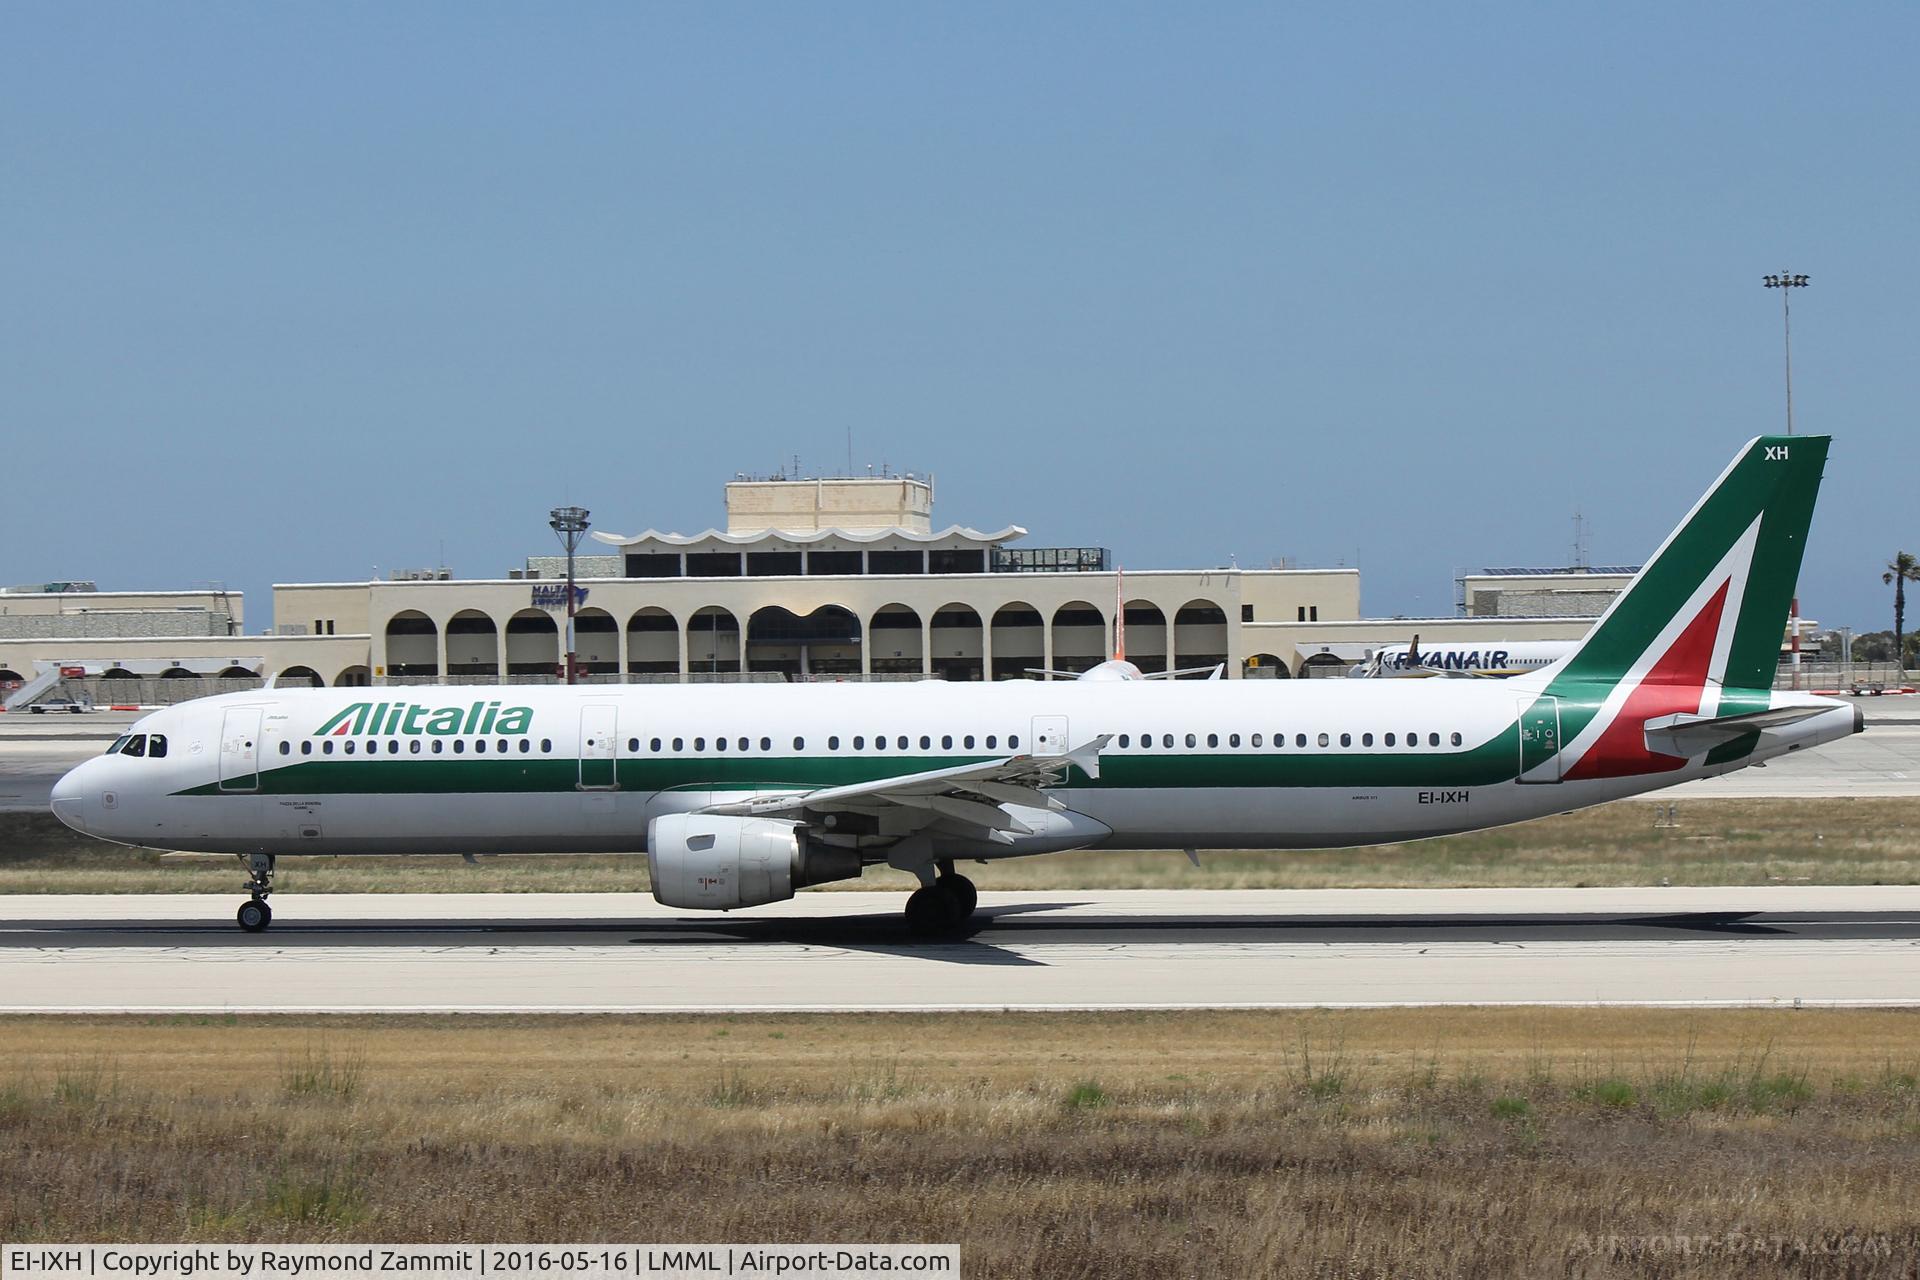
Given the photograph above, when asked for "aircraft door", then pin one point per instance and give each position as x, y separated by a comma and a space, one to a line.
598, 738
1049, 736
1540, 740
240, 750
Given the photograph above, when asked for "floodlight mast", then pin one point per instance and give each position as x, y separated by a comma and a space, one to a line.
570, 525
1786, 282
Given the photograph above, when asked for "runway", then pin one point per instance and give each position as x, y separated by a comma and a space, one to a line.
381, 953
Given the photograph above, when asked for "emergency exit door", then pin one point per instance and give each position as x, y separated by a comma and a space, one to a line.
598, 729
1049, 735
1540, 740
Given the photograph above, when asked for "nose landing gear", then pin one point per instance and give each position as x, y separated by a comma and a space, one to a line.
254, 914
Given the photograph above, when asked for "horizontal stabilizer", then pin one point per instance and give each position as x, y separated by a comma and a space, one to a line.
1685, 735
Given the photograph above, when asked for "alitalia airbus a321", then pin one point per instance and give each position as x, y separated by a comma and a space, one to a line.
739, 795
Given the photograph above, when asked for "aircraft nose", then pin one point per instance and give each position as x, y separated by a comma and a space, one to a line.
72, 797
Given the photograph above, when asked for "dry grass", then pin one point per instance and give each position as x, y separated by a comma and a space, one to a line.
1362, 1143
1874, 841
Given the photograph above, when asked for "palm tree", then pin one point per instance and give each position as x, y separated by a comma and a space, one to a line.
1901, 570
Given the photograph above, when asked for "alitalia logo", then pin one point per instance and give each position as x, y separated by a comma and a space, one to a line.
416, 718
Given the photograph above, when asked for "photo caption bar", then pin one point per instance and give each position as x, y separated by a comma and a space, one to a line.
475, 1261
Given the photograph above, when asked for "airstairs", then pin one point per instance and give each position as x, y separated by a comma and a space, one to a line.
46, 676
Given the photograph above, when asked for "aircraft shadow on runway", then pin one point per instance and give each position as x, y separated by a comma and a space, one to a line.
987, 942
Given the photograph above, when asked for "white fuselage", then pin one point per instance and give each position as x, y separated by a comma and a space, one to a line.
1210, 764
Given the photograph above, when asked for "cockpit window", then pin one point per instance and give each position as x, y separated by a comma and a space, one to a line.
156, 745
119, 742
136, 745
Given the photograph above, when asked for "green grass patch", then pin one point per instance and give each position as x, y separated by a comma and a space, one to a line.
1085, 1095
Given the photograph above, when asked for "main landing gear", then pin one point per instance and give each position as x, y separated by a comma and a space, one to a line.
944, 906
254, 914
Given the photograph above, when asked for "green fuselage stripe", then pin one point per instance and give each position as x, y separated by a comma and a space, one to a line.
1488, 763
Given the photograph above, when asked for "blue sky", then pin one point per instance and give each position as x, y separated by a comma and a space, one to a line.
288, 292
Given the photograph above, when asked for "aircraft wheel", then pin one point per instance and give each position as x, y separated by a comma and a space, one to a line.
254, 915
932, 911
965, 896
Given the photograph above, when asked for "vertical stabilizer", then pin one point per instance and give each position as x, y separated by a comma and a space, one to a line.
1698, 630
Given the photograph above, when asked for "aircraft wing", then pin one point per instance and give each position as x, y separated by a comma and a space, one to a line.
969, 793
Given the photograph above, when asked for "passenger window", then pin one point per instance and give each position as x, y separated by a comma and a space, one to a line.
326, 748
546, 745
859, 742
699, 744
901, 742
1433, 739
991, 739
1233, 739
1255, 740
526, 745
501, 746
480, 746
413, 746
348, 746
438, 746
1213, 739
1324, 740
1366, 739
968, 742
653, 744
633, 745
799, 744
459, 746
1191, 741
946, 742
1013, 742
393, 746
1123, 742
286, 748
742, 744
833, 742
719, 744
1346, 739
306, 746
1456, 739
766, 744
1389, 739
679, 744
925, 742
1166, 740
1300, 740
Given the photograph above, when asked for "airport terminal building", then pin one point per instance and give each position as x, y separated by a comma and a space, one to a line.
809, 579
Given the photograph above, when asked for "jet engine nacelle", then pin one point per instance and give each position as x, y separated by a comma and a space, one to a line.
718, 863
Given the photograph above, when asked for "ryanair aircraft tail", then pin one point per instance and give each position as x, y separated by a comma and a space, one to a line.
1697, 633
